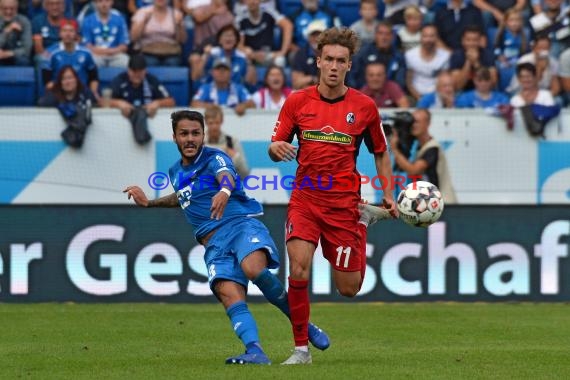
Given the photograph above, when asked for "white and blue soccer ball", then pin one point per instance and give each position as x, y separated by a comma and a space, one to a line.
420, 204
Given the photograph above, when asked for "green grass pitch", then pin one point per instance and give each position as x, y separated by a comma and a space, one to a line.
369, 341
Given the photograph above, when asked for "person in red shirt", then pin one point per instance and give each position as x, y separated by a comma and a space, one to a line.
330, 121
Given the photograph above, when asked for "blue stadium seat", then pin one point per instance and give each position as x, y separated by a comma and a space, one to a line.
106, 76
346, 10
17, 86
175, 79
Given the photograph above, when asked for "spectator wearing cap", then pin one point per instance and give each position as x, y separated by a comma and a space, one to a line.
385, 93
15, 35
69, 53
105, 33
483, 95
139, 95
384, 50
304, 70
223, 91
45, 27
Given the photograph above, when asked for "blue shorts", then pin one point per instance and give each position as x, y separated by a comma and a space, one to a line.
231, 243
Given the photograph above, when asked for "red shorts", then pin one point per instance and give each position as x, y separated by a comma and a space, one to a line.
337, 228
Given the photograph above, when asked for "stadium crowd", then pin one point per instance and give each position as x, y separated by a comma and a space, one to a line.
253, 53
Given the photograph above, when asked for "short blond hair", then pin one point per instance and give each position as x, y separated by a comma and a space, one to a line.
412, 10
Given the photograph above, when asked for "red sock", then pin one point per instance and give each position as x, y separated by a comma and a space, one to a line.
298, 297
363, 231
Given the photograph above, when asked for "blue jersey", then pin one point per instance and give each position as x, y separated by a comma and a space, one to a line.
229, 97
112, 34
196, 185
80, 59
49, 32
238, 61
471, 99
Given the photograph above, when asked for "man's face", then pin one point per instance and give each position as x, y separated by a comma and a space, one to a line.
444, 85
552, 4
189, 138
8, 9
483, 86
428, 38
275, 79
253, 5
375, 76
136, 77
104, 6
221, 75
68, 34
334, 62
471, 40
368, 11
214, 126
383, 37
54, 8
527, 80
421, 123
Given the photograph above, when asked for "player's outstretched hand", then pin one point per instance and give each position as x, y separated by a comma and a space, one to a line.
219, 202
137, 194
390, 205
282, 151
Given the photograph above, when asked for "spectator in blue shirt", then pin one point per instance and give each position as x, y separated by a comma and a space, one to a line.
227, 39
310, 12
45, 27
68, 52
38, 7
223, 91
444, 95
483, 95
105, 33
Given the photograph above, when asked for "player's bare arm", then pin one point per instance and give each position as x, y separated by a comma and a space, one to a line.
282, 151
141, 199
384, 170
220, 200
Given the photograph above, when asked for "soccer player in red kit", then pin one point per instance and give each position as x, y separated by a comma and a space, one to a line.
330, 122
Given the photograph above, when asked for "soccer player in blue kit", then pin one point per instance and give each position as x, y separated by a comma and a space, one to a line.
238, 246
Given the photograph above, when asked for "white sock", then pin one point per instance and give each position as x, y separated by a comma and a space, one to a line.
302, 348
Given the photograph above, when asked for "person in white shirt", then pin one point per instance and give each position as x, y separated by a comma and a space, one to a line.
424, 63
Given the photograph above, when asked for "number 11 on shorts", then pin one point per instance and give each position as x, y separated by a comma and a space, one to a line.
339, 251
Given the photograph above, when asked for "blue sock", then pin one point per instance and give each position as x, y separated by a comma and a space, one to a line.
243, 323
254, 348
273, 290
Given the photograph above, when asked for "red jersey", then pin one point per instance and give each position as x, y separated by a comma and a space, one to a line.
329, 133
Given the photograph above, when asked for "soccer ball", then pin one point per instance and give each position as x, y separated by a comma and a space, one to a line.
420, 204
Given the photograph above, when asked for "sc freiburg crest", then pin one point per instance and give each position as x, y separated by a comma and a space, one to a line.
350, 118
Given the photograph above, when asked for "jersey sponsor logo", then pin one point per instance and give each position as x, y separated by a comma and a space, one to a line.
350, 118
328, 134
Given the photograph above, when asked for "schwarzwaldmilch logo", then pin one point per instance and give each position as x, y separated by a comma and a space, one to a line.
328, 134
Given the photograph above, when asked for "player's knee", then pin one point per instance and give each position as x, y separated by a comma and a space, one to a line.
348, 290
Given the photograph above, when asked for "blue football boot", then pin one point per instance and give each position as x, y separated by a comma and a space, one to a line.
318, 337
249, 359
